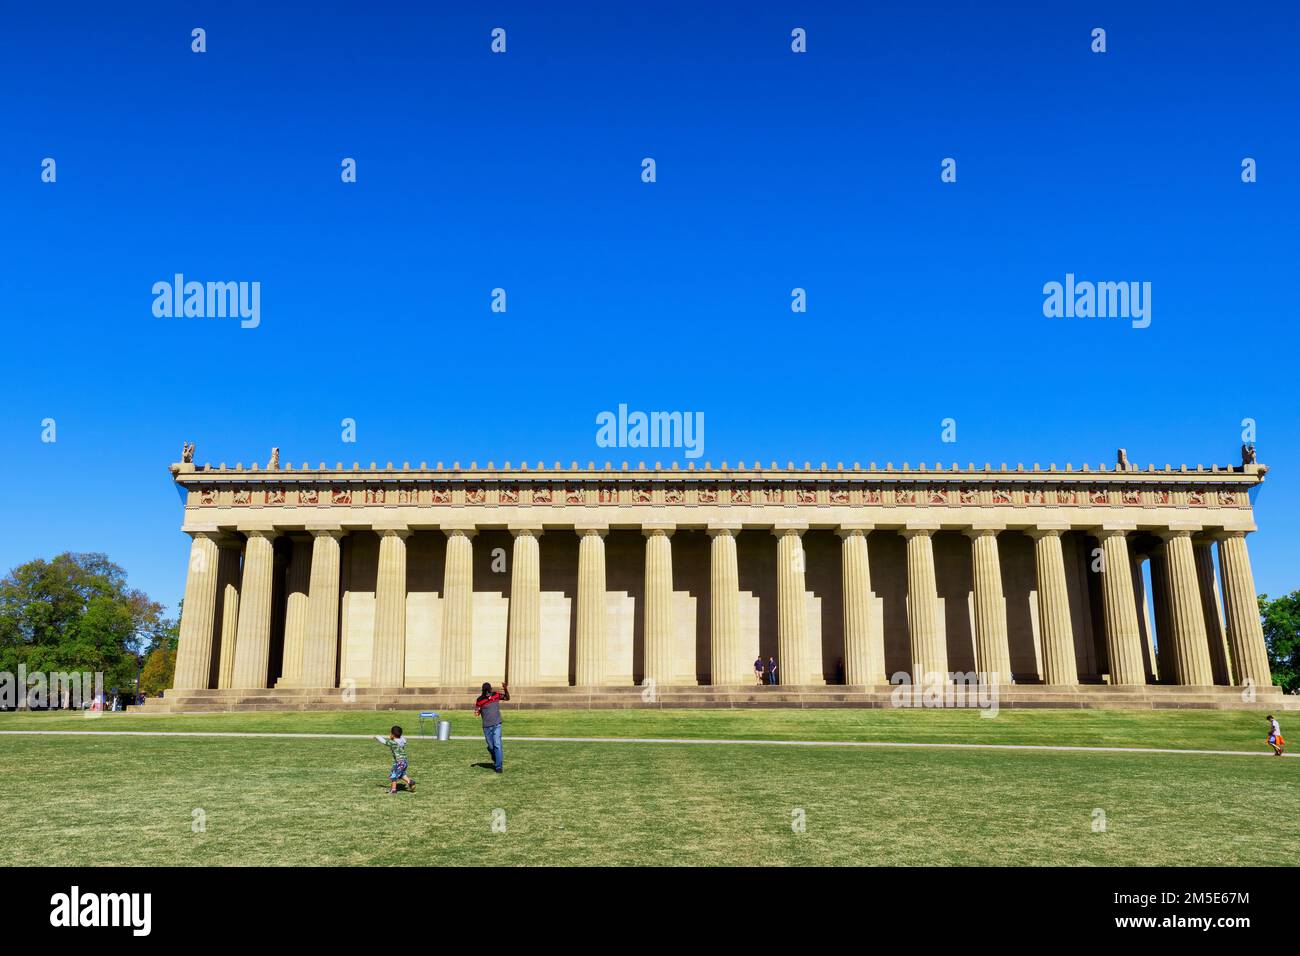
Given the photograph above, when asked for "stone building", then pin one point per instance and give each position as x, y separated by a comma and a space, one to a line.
412, 585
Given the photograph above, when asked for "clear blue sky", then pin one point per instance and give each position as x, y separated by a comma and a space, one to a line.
522, 170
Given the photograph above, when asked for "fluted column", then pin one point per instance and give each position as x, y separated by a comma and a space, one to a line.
1212, 611
279, 578
864, 643
458, 609
388, 659
1054, 623
929, 651
1119, 608
726, 664
591, 649
228, 580
1166, 646
321, 641
198, 617
1186, 618
1245, 632
791, 608
658, 605
253, 638
295, 612
992, 644
524, 633
1142, 609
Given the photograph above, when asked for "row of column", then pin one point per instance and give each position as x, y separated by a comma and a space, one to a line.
1195, 645
233, 611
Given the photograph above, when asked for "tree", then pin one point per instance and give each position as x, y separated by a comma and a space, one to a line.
159, 669
1281, 620
76, 613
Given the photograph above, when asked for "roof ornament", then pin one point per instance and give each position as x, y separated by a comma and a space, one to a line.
1121, 460
187, 453
274, 464
1247, 454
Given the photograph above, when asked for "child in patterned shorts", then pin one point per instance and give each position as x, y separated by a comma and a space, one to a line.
1275, 736
401, 766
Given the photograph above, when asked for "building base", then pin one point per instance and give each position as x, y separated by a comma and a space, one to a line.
1084, 696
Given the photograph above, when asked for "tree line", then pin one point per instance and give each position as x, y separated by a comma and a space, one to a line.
75, 613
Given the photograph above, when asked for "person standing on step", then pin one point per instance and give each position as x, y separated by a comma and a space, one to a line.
758, 670
488, 706
771, 670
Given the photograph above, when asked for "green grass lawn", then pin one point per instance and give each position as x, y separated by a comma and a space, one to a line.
133, 800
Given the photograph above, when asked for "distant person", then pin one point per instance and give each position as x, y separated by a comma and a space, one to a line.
1275, 736
396, 743
771, 670
839, 670
488, 706
758, 669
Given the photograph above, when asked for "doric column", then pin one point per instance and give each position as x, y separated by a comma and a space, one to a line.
321, 641
198, 617
1212, 611
458, 609
726, 665
992, 645
1054, 609
791, 608
279, 578
1166, 646
1119, 608
1245, 632
228, 577
253, 639
1142, 609
864, 644
295, 611
388, 658
929, 651
658, 604
591, 649
525, 623
1187, 622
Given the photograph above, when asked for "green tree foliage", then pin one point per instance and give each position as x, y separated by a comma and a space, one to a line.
159, 669
76, 613
1281, 618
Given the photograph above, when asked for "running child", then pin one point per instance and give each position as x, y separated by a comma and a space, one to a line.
1275, 736
396, 743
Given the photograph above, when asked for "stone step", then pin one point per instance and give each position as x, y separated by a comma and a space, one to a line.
688, 696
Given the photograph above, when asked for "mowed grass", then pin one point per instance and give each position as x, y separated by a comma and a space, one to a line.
1189, 729
273, 801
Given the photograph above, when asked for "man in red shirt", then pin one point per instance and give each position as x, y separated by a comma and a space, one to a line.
488, 706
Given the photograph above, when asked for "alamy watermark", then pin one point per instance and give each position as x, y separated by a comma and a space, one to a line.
208, 300
37, 690
1098, 300
75, 908
957, 689
651, 430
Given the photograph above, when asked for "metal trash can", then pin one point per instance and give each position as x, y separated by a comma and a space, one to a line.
444, 730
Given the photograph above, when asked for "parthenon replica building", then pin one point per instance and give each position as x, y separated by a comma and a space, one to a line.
635, 586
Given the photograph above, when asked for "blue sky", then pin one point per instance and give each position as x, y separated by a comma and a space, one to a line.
522, 171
